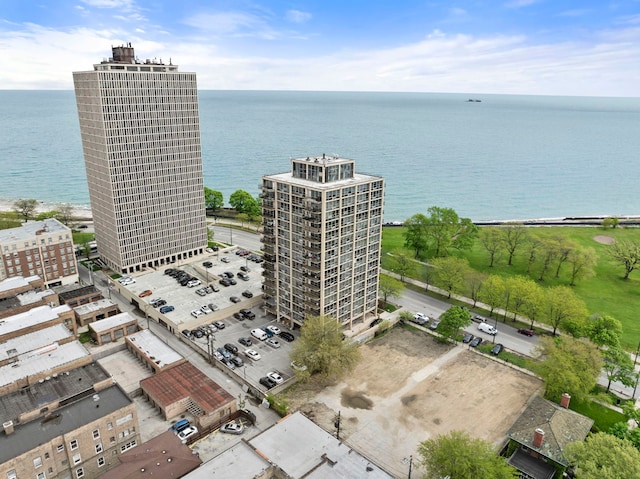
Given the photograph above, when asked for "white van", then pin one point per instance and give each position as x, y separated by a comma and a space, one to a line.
259, 334
487, 328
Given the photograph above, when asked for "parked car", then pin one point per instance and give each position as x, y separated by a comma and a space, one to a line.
526, 332
196, 313
274, 329
224, 259
297, 366
252, 354
225, 282
245, 341
247, 294
288, 337
274, 343
433, 325
475, 342
187, 433
198, 333
218, 355
219, 324
225, 354
214, 288
497, 349
467, 338
232, 428
207, 264
186, 333
201, 292
228, 274
268, 332
234, 299
206, 309
181, 425
275, 376
420, 319
193, 283
228, 363
375, 322
243, 276
232, 348
146, 292
247, 313
246, 269
166, 309
239, 316
259, 334
214, 307
238, 362
232, 281
487, 328
267, 382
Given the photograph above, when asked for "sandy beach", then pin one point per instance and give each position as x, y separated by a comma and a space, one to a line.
79, 212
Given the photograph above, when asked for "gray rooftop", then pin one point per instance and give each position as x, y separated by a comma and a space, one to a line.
41, 360
30, 297
28, 342
59, 387
93, 307
238, 461
318, 455
62, 421
29, 230
76, 291
154, 348
16, 282
111, 322
315, 185
33, 317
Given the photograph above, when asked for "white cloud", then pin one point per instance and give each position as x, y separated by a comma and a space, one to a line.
225, 23
296, 16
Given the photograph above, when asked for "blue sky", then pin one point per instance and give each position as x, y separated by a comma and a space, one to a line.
540, 47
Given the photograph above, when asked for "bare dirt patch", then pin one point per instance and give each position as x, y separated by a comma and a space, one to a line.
408, 388
604, 239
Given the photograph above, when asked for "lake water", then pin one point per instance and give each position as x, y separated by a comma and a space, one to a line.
506, 157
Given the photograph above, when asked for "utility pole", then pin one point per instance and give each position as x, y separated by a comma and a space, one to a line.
410, 465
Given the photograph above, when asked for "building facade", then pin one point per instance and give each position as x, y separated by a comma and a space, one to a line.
140, 133
42, 248
322, 235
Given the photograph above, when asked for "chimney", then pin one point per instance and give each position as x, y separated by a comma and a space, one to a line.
538, 438
565, 400
8, 427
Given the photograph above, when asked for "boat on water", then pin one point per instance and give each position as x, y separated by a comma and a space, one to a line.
473, 100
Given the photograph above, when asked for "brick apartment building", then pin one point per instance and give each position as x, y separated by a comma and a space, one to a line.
43, 248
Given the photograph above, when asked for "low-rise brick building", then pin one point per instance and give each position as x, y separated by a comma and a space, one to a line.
95, 311
113, 328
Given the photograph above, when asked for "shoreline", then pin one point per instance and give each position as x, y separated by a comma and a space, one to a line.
84, 213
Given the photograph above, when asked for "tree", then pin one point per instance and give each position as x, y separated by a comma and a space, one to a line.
565, 310
402, 264
45, 215
603, 330
582, 261
64, 213
390, 287
85, 248
322, 350
569, 365
522, 289
618, 366
610, 223
452, 321
549, 249
213, 200
415, 234
243, 202
626, 253
242, 217
475, 280
493, 240
515, 235
451, 273
445, 229
25, 208
460, 456
565, 248
492, 292
604, 456
533, 247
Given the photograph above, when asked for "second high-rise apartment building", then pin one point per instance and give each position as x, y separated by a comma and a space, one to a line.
322, 237
141, 140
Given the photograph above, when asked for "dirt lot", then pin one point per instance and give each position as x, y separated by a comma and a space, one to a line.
409, 388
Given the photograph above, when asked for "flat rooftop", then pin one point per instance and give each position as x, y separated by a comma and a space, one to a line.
238, 461
16, 282
94, 307
62, 421
155, 350
42, 360
33, 317
316, 185
111, 322
318, 455
21, 345
32, 228
59, 387
75, 291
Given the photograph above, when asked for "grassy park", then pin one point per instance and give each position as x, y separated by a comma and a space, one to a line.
604, 292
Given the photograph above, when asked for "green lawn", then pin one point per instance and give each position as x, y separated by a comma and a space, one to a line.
606, 292
603, 416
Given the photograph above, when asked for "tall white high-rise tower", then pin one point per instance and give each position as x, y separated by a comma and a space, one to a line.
141, 140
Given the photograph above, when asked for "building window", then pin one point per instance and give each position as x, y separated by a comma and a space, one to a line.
109, 426
73, 444
96, 434
41, 475
37, 462
77, 459
12, 474
100, 461
98, 448
128, 446
46, 455
79, 472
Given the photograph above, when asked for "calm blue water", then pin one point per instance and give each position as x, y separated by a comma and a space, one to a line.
508, 157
